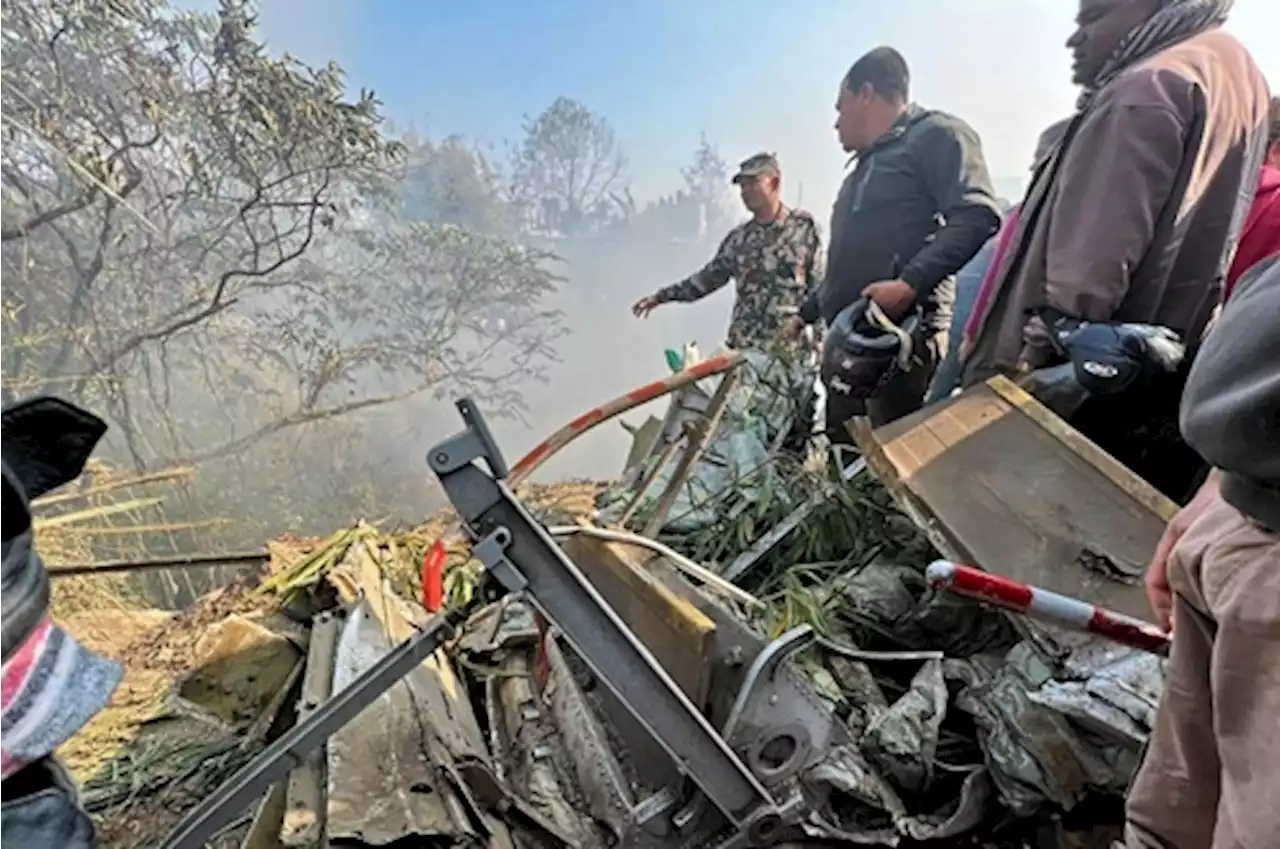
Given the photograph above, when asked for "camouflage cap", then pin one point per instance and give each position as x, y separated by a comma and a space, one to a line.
754, 166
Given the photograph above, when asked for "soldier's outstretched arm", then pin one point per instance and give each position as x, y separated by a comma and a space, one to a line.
711, 277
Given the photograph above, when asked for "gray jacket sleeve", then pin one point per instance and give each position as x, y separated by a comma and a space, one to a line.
956, 176
1118, 174
1231, 405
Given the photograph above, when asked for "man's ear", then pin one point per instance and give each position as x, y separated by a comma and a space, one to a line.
46, 442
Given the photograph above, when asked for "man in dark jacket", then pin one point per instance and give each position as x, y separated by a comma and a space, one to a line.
1209, 778
916, 208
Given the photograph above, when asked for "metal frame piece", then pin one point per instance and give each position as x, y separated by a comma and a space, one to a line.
520, 556
290, 750
508, 535
698, 442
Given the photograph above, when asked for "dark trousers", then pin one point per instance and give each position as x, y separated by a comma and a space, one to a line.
1139, 427
42, 810
901, 397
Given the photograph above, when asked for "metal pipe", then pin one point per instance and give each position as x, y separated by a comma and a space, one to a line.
697, 445
543, 451
663, 458
1065, 611
684, 564
181, 561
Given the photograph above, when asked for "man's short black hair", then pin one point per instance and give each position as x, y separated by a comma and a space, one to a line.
886, 72
1273, 133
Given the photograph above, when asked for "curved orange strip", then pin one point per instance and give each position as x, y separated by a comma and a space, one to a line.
642, 395
543, 451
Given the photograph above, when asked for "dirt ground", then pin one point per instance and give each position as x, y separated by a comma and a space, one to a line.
110, 755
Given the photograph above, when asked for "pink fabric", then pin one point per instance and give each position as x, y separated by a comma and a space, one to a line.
52, 687
18, 669
1260, 237
987, 286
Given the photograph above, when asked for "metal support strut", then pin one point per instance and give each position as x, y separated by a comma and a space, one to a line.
289, 751
519, 554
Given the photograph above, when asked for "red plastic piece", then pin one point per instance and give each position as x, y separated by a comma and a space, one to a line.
433, 577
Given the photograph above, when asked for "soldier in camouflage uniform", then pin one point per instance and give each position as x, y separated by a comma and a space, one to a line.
776, 259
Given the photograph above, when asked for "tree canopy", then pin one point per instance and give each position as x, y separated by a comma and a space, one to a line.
568, 175
215, 246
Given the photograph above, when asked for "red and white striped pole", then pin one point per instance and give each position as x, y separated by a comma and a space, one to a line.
1042, 604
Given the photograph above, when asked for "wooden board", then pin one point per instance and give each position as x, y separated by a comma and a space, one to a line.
1004, 484
677, 632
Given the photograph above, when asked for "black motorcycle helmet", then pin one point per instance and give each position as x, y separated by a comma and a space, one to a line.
865, 350
1110, 358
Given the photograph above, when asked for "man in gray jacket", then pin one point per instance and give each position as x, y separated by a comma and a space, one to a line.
917, 206
1210, 776
1135, 217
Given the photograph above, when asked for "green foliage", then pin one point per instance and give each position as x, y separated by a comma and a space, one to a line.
707, 179
209, 245
448, 182
568, 175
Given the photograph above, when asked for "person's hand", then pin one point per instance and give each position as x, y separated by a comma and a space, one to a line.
1158, 592
642, 307
895, 297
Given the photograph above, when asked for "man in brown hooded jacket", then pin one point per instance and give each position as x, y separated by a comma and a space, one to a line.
1135, 217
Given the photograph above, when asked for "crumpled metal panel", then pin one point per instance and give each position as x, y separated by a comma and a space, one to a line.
865, 808
302, 823
875, 802
1034, 754
526, 746
902, 740
968, 812
389, 769
609, 797
860, 689
1111, 690
870, 807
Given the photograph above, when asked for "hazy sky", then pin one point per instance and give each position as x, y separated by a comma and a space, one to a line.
752, 74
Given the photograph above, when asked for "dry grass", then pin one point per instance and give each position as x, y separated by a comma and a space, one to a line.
140, 696
141, 764
105, 515
297, 565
